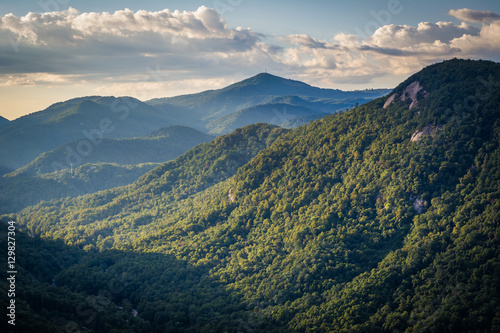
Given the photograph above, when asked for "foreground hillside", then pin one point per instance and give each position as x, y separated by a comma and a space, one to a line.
383, 218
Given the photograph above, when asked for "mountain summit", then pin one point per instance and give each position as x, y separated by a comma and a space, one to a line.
275, 85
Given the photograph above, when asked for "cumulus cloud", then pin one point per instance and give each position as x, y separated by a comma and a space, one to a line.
486, 44
390, 50
78, 43
404, 36
55, 28
470, 15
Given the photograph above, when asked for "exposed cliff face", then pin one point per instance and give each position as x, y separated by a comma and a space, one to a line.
427, 130
389, 101
418, 204
411, 92
231, 196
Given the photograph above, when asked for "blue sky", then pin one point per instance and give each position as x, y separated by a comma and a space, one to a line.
69, 48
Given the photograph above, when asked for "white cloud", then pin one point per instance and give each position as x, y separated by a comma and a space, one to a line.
77, 43
404, 36
470, 15
390, 50
486, 44
71, 26
174, 51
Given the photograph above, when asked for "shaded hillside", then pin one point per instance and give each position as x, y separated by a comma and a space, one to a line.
383, 218
325, 105
284, 111
299, 121
3, 121
182, 116
271, 113
161, 146
87, 119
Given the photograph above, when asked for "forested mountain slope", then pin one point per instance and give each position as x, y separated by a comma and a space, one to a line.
201, 167
382, 218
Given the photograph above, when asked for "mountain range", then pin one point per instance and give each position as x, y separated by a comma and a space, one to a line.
378, 218
125, 131
86, 121
259, 89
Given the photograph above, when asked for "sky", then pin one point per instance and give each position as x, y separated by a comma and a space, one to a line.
55, 50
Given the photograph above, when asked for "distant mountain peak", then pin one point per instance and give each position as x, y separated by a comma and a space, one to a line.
265, 74
267, 78
261, 88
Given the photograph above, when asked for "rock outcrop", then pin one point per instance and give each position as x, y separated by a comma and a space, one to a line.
427, 130
230, 195
411, 92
